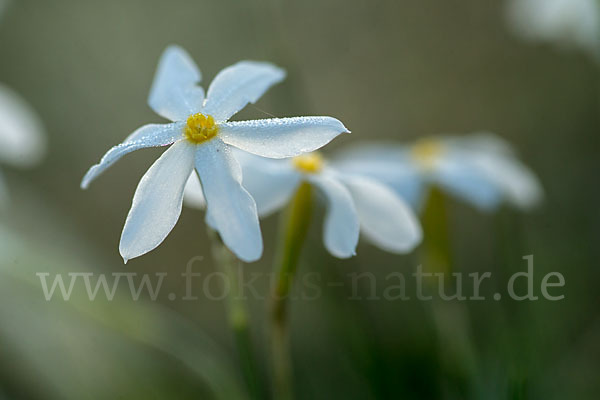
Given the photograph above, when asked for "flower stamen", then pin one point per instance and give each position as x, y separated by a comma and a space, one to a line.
426, 152
308, 163
200, 128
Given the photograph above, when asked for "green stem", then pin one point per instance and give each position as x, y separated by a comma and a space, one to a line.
436, 238
238, 315
450, 318
295, 225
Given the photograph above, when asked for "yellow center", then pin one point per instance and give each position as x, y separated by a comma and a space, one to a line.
309, 163
200, 128
427, 151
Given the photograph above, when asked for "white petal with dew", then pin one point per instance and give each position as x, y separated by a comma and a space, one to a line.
281, 137
153, 135
385, 219
174, 93
341, 228
157, 201
230, 208
239, 84
22, 138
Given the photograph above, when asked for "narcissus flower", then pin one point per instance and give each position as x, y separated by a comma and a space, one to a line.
201, 138
565, 22
22, 139
355, 203
481, 169
3, 4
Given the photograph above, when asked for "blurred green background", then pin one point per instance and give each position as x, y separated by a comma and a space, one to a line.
388, 69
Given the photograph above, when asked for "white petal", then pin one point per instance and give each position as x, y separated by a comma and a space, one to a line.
455, 173
231, 209
388, 164
193, 196
239, 84
519, 184
22, 140
153, 135
270, 182
369, 152
486, 142
342, 227
174, 93
281, 137
157, 201
409, 186
385, 218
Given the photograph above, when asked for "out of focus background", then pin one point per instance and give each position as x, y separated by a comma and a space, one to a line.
391, 70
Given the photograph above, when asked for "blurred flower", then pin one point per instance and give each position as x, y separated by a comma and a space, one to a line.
354, 202
566, 22
22, 140
83, 321
481, 169
202, 138
3, 4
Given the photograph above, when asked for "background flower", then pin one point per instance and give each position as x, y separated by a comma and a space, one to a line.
565, 22
353, 201
3, 4
22, 139
481, 169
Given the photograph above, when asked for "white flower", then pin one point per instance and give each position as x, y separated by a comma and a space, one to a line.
22, 140
480, 168
354, 202
3, 5
201, 137
566, 22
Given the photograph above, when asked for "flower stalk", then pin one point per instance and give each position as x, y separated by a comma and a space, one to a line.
295, 224
238, 317
450, 318
436, 240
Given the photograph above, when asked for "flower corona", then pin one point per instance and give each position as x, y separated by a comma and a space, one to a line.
200, 128
426, 152
310, 163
